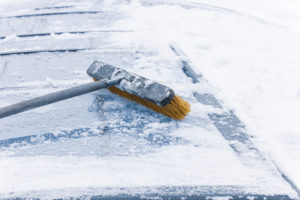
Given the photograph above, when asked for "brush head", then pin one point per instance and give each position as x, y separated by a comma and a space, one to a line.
153, 95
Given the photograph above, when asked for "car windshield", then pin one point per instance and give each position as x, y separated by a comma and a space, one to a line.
100, 145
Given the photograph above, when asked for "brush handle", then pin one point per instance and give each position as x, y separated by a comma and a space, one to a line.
55, 97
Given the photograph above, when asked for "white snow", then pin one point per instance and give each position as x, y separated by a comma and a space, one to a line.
248, 52
253, 65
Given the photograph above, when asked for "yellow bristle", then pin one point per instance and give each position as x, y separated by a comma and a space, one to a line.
177, 108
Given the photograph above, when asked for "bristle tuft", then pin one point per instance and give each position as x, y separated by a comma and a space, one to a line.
177, 108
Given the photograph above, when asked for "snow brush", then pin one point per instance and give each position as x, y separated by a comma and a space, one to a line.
153, 95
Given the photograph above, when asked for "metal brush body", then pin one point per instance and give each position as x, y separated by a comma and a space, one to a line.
133, 83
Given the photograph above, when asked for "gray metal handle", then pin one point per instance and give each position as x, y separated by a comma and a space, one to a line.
55, 97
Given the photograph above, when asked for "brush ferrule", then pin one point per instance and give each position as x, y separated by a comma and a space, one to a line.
114, 81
